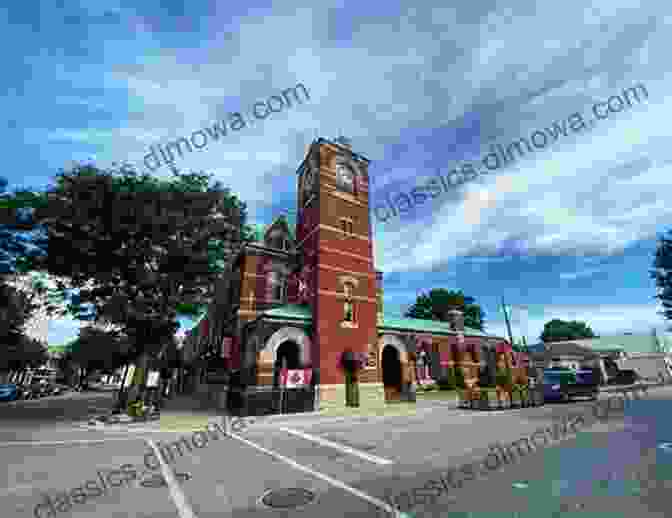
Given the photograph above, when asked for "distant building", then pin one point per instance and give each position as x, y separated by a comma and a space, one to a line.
648, 355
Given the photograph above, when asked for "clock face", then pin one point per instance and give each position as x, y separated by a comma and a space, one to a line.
345, 176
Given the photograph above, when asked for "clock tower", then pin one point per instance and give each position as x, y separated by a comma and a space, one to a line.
337, 277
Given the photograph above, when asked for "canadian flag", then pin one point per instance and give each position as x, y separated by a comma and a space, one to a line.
292, 378
227, 343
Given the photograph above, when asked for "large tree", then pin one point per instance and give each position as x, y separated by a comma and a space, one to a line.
97, 348
20, 239
662, 273
433, 306
561, 330
17, 350
136, 247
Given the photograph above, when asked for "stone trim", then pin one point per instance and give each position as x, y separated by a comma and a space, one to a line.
349, 198
351, 273
354, 256
344, 234
343, 297
289, 333
342, 279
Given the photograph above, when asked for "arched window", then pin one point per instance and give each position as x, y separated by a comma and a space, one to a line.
348, 307
276, 286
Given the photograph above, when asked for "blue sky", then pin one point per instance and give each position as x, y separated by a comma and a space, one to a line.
569, 230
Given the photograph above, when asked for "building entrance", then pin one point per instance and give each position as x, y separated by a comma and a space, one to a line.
391, 365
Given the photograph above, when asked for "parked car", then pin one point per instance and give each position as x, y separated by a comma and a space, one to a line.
60, 388
625, 377
566, 384
9, 392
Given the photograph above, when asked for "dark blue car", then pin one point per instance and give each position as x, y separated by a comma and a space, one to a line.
8, 392
566, 384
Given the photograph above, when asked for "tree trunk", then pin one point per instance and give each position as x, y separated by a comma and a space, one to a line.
121, 393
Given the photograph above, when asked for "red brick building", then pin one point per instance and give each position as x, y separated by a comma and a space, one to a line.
304, 294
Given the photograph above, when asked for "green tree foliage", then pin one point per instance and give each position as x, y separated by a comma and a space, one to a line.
433, 306
17, 350
662, 273
448, 382
459, 378
21, 241
136, 247
561, 330
504, 377
100, 349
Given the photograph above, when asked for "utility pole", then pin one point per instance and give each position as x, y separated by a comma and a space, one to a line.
506, 319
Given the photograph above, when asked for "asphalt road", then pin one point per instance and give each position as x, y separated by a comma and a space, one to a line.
351, 465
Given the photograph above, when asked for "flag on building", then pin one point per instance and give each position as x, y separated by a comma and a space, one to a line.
292, 378
227, 344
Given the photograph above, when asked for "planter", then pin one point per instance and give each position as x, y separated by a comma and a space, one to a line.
484, 400
351, 390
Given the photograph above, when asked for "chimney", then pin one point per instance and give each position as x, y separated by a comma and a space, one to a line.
455, 318
379, 293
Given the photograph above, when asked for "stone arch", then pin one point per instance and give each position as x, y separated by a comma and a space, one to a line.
292, 334
395, 342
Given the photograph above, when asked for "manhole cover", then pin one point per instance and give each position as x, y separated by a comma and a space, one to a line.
287, 498
157, 480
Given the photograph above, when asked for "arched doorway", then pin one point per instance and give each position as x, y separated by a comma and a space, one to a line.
391, 365
287, 351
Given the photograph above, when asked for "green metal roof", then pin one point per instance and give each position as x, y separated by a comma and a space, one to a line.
426, 326
258, 231
626, 343
290, 311
302, 312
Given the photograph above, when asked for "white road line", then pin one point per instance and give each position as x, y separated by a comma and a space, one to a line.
180, 501
337, 446
334, 482
60, 443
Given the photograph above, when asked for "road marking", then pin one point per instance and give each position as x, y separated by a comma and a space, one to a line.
334, 482
338, 446
180, 501
60, 443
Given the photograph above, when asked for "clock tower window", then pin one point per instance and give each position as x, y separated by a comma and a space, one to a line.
348, 306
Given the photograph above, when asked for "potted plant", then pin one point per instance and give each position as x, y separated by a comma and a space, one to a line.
485, 400
351, 363
448, 381
459, 378
504, 384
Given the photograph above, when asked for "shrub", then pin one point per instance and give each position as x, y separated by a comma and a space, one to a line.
448, 382
485, 379
459, 378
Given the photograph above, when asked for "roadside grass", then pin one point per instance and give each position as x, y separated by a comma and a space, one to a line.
437, 395
184, 422
371, 403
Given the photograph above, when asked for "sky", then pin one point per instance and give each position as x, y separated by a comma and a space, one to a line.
568, 230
